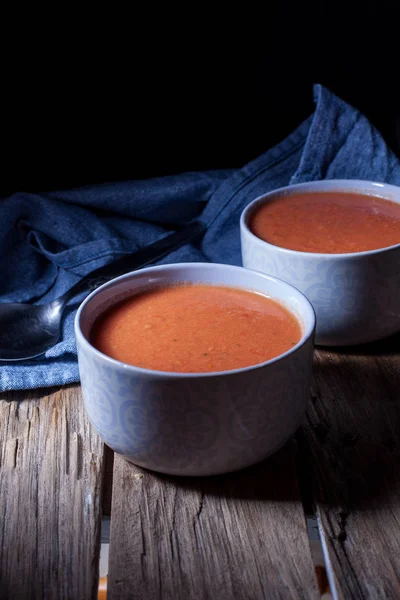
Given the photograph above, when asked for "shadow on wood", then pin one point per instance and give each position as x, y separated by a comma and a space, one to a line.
271, 479
353, 430
387, 347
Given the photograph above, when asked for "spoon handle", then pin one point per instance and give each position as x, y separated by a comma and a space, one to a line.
138, 259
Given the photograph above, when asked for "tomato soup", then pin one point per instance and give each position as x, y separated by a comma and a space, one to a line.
328, 222
196, 328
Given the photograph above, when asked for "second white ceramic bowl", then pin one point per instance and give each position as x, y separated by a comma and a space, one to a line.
356, 296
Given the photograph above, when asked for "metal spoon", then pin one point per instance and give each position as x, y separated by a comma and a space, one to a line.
28, 330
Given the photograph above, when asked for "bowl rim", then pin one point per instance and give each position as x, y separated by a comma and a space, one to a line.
84, 342
317, 183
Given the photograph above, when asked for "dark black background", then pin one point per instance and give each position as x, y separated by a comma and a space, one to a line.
90, 100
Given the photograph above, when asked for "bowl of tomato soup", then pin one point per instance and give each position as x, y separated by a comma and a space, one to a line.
195, 369
338, 241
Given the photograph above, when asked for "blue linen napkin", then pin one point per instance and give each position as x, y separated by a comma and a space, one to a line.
48, 242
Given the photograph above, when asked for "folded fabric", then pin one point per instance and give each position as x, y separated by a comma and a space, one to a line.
49, 241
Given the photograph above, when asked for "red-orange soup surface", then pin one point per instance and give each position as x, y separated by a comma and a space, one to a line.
196, 328
328, 222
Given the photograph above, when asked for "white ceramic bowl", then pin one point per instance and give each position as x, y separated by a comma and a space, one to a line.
195, 424
356, 296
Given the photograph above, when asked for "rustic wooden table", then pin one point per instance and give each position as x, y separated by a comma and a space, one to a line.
238, 536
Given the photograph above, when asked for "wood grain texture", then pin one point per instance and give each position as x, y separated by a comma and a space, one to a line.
51, 465
352, 436
238, 536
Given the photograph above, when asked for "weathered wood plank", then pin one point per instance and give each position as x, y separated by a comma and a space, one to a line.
51, 463
353, 438
238, 536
